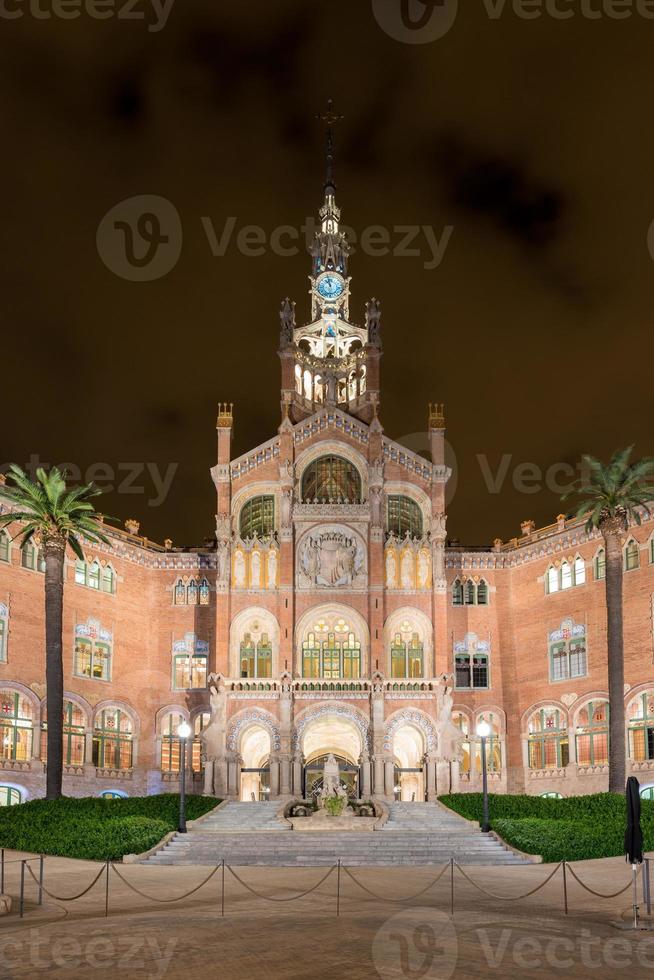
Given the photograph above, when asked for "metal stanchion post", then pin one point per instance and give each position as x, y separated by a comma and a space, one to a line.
22, 888
41, 880
452, 887
565, 889
2, 871
106, 891
338, 889
222, 893
647, 896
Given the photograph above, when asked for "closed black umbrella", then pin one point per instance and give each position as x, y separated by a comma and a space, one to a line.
633, 835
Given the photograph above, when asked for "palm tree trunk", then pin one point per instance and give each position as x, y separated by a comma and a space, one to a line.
615, 645
54, 669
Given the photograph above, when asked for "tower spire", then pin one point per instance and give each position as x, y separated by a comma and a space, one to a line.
330, 118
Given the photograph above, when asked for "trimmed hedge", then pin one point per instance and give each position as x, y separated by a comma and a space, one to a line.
574, 829
95, 828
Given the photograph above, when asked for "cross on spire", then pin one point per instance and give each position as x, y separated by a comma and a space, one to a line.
330, 118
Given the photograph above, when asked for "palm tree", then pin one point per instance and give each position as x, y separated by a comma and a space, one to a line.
614, 495
57, 517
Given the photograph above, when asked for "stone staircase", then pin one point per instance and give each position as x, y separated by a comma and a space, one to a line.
253, 834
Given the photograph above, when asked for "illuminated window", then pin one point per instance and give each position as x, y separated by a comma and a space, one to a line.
189, 671
170, 746
93, 650
9, 796
93, 577
113, 740
593, 734
16, 727
74, 736
404, 515
406, 654
566, 575
548, 739
331, 480
567, 650
204, 592
552, 579
640, 721
580, 571
334, 656
493, 745
257, 517
201, 722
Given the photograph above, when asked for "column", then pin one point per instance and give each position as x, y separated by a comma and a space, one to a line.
274, 778
297, 776
365, 777
389, 778
285, 775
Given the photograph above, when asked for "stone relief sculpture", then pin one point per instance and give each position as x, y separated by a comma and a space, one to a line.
373, 322
287, 322
272, 568
391, 569
239, 570
222, 560
331, 559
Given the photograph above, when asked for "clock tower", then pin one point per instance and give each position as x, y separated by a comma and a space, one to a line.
330, 361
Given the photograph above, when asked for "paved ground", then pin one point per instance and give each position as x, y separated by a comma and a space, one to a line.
303, 938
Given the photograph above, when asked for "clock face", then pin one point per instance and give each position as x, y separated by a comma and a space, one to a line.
330, 286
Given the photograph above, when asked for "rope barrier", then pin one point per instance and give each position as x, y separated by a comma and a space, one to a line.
592, 890
509, 898
177, 898
290, 898
410, 898
62, 898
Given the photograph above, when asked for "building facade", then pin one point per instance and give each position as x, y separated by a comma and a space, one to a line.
331, 615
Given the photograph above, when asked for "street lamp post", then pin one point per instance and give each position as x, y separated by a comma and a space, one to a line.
483, 731
183, 733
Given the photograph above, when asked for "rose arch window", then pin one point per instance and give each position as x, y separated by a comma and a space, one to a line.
331, 480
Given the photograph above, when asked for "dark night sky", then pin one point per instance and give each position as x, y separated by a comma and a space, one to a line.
533, 139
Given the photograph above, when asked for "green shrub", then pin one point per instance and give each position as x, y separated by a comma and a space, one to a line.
574, 829
95, 828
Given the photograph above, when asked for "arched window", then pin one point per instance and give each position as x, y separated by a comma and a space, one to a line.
74, 736
552, 579
482, 593
331, 653
552, 796
470, 593
493, 745
93, 577
548, 739
204, 592
257, 517
28, 556
190, 657
407, 653
580, 570
462, 723
331, 480
113, 794
593, 734
640, 721
80, 572
201, 722
108, 579
170, 748
631, 555
192, 593
457, 593
16, 726
93, 650
403, 515
567, 650
566, 575
113, 740
9, 796
4, 624
5, 546
600, 564
180, 593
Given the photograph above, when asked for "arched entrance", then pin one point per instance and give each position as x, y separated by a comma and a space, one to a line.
408, 756
336, 734
255, 770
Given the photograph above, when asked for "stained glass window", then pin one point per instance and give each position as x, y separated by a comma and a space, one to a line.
593, 734
9, 796
406, 655
189, 671
641, 727
548, 739
15, 727
74, 733
113, 740
330, 480
404, 514
204, 592
92, 658
170, 748
180, 593
568, 652
335, 657
257, 517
